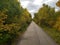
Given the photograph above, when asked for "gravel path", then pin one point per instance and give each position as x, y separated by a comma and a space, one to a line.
34, 35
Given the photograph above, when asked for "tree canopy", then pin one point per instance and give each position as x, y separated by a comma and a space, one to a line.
13, 20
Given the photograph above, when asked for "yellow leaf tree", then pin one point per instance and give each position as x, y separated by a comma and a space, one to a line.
58, 3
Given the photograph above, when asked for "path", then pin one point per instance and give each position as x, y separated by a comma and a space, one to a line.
35, 36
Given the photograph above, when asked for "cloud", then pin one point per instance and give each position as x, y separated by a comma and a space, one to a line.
28, 0
31, 6
34, 5
51, 3
24, 4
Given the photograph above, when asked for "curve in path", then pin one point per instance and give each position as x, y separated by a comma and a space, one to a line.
35, 36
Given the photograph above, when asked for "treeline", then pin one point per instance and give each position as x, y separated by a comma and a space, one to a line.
48, 17
49, 20
13, 20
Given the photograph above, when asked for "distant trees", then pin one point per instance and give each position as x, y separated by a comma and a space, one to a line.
13, 20
47, 16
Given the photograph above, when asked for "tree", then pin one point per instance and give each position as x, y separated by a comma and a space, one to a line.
58, 3
13, 20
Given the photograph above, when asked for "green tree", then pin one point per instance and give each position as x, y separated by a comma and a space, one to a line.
13, 20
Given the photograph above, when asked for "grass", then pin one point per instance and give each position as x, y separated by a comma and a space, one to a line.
55, 34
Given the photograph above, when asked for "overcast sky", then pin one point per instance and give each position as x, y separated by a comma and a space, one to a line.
34, 5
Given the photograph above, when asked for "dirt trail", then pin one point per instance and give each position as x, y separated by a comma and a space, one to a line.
34, 35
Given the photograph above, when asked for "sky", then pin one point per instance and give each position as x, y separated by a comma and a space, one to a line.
34, 5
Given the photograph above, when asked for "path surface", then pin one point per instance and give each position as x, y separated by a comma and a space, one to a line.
35, 36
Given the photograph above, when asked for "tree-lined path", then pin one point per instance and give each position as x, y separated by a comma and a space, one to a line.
35, 36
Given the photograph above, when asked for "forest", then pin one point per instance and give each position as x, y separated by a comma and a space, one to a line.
14, 20
49, 20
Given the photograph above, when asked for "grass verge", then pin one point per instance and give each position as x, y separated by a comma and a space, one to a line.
55, 34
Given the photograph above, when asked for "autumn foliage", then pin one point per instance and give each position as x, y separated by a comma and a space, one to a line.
49, 20
13, 20
58, 3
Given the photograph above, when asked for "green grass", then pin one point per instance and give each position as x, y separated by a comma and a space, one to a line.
55, 34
